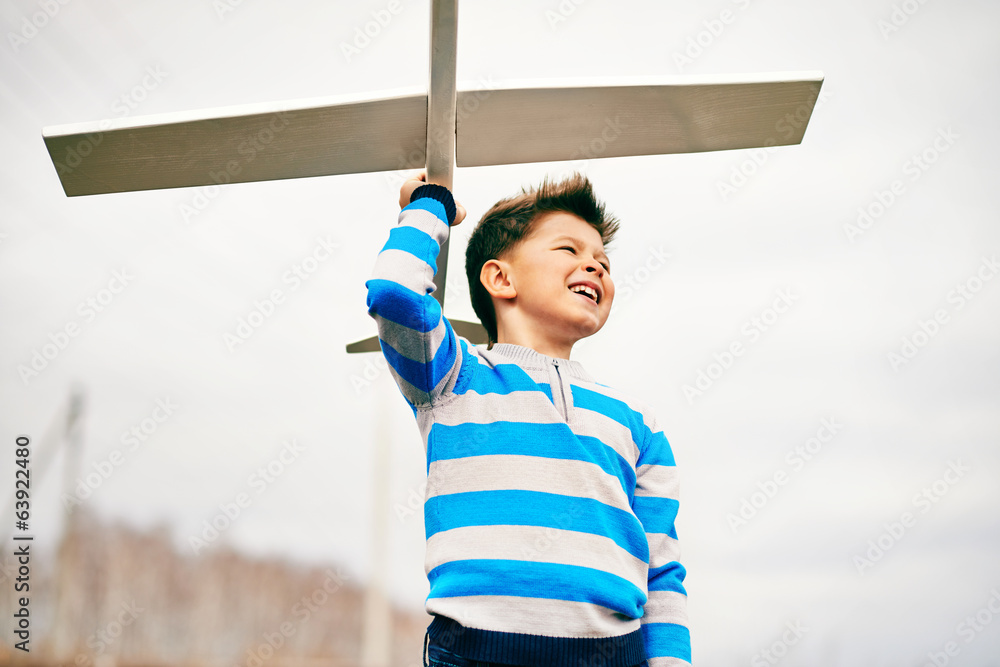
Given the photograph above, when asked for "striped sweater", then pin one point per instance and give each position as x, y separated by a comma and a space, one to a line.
551, 499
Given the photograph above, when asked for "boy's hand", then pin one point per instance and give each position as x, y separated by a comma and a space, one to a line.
414, 182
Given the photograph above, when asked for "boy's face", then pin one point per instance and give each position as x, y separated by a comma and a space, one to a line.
562, 277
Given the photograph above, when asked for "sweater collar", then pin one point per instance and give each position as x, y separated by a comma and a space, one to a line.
529, 358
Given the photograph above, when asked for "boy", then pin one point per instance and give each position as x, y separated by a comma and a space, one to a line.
551, 499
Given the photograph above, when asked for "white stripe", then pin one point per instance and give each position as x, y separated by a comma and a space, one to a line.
419, 397
648, 419
608, 431
534, 407
426, 222
663, 549
425, 421
403, 267
666, 607
657, 480
648, 414
536, 544
414, 274
668, 662
529, 407
534, 616
415, 346
539, 375
526, 473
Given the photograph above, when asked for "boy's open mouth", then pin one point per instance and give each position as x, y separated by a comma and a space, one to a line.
587, 290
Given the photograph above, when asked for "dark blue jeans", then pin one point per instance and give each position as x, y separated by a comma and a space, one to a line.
440, 657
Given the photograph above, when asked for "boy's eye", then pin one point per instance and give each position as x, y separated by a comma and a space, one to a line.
607, 267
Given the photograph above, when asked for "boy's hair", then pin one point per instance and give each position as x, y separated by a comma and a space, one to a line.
509, 222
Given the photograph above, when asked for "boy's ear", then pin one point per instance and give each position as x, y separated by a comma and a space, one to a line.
495, 277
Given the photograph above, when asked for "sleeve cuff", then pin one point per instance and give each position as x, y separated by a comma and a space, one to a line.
439, 193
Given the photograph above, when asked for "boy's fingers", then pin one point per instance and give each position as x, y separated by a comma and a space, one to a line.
414, 182
409, 185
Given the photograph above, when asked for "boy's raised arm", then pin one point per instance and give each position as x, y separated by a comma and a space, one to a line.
423, 351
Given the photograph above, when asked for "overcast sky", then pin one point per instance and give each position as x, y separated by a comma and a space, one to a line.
857, 274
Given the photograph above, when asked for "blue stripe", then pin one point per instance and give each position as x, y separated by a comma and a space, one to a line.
431, 205
613, 463
554, 441
588, 399
535, 508
653, 447
669, 577
423, 376
504, 379
656, 514
665, 640
401, 305
416, 242
501, 379
530, 579
501, 437
658, 452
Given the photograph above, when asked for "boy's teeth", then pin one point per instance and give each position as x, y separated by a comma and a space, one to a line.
583, 289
